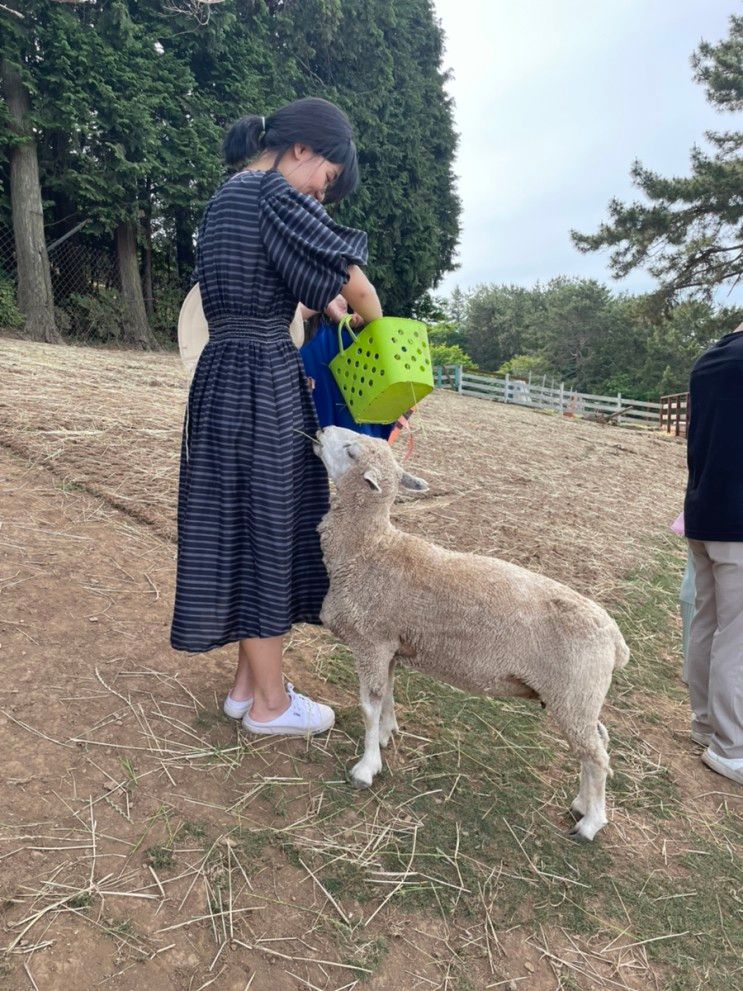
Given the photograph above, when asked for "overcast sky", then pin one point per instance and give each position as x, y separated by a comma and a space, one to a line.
554, 101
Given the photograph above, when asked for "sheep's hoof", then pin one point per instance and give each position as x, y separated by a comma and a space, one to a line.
360, 777
578, 837
576, 811
359, 783
585, 830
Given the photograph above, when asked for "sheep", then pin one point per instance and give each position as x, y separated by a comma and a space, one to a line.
478, 623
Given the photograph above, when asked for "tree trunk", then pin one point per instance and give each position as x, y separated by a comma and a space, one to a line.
35, 298
137, 331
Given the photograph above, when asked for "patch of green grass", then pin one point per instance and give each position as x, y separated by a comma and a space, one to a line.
129, 771
253, 842
192, 830
120, 928
159, 856
339, 669
67, 485
208, 719
647, 615
82, 900
476, 807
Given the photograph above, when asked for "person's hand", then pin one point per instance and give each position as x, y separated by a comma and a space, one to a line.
338, 308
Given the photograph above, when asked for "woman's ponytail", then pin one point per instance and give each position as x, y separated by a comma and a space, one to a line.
244, 140
310, 121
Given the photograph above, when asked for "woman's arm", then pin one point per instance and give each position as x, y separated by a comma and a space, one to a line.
306, 312
361, 295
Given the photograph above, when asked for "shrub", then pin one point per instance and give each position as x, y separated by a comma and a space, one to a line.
10, 315
521, 365
98, 319
452, 354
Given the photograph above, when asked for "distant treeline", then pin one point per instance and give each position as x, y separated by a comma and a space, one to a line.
580, 332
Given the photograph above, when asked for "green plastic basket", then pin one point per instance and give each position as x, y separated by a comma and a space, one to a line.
386, 370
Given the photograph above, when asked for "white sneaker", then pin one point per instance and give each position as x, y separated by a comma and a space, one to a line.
303, 718
235, 709
729, 767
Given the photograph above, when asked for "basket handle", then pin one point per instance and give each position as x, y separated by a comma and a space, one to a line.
345, 324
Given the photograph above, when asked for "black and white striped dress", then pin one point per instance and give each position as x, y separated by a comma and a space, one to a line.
251, 490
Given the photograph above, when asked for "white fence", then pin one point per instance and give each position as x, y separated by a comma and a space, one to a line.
541, 396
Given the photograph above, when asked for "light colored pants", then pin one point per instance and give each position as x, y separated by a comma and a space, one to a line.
687, 595
716, 645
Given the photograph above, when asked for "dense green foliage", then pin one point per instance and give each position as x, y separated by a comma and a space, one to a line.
10, 315
689, 232
579, 332
129, 101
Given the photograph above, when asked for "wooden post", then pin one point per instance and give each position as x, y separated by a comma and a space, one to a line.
439, 377
678, 415
508, 383
562, 396
619, 405
459, 378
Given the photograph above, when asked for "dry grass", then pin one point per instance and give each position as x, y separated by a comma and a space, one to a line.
573, 499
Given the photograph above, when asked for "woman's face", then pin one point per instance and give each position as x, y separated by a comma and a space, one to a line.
309, 172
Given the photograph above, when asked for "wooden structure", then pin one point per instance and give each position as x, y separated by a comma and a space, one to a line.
674, 413
562, 399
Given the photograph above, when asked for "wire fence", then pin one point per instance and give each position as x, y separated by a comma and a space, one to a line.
86, 286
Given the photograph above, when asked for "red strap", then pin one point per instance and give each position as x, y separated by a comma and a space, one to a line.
403, 423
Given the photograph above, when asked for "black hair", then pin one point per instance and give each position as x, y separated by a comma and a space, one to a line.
317, 123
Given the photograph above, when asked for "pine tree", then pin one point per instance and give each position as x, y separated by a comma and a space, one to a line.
690, 234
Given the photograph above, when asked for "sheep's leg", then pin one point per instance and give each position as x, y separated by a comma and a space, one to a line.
362, 774
372, 665
580, 804
595, 816
582, 801
587, 743
388, 722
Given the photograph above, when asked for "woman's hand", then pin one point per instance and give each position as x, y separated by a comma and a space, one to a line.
338, 308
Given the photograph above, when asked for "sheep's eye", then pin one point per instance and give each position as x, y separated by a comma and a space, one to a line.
349, 451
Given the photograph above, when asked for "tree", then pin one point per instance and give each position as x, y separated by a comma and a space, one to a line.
457, 307
690, 233
35, 298
521, 366
381, 61
130, 99
498, 321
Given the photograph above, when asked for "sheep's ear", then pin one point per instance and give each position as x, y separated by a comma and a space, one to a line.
372, 480
412, 482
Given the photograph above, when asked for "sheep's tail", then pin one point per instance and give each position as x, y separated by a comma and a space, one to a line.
622, 650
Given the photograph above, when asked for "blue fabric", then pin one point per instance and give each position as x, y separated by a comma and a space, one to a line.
331, 409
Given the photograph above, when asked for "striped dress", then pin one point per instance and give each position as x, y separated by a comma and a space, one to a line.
251, 490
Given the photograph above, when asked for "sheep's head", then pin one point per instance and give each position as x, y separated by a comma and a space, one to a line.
363, 465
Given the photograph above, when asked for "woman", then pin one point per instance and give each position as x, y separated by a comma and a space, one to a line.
251, 490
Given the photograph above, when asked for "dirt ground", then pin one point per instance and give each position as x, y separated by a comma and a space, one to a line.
132, 832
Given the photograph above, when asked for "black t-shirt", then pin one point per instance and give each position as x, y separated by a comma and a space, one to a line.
714, 494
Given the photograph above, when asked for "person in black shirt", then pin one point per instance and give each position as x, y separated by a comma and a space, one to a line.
713, 524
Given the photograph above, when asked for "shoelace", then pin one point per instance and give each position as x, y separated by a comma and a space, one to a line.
300, 703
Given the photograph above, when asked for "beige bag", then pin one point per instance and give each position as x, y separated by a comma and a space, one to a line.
193, 331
